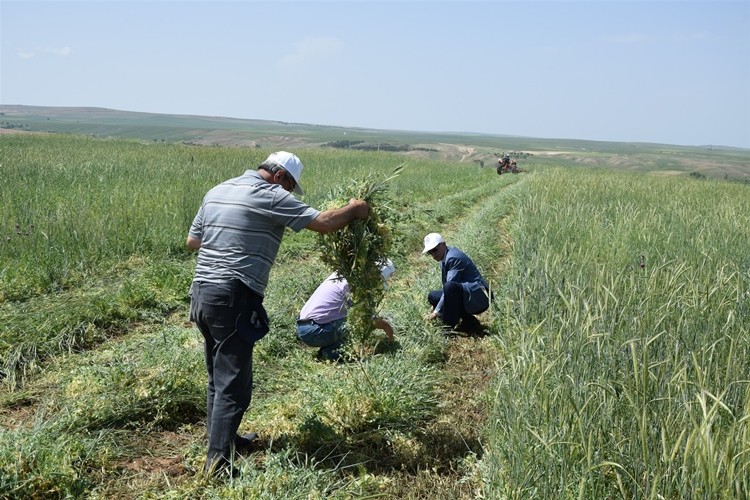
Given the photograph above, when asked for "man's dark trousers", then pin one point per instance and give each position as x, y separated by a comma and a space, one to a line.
221, 312
453, 305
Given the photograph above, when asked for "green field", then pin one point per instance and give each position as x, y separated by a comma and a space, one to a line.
616, 363
713, 161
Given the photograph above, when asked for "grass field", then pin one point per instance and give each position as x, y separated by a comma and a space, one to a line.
615, 366
713, 161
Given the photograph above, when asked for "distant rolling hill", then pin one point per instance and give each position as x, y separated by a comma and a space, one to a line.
482, 149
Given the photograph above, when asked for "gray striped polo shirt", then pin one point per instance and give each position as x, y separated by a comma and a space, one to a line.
240, 224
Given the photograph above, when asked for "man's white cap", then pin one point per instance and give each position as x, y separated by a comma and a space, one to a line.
291, 164
387, 269
431, 241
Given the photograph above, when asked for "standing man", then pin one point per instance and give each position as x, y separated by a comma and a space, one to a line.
237, 232
465, 292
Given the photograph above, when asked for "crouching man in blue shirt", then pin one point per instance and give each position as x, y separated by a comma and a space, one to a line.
465, 292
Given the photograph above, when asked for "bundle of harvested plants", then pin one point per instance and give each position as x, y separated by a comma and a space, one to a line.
358, 250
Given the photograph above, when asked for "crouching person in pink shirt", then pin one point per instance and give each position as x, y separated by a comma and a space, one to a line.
322, 320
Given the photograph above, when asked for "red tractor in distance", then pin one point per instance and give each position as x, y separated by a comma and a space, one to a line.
505, 165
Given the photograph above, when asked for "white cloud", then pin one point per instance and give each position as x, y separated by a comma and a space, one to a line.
55, 51
25, 54
312, 49
61, 51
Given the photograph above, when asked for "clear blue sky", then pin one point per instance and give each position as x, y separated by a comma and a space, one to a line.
675, 72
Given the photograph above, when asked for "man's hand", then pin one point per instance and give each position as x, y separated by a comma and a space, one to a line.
382, 324
360, 208
336, 218
193, 243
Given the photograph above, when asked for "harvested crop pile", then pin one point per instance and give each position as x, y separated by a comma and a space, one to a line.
357, 250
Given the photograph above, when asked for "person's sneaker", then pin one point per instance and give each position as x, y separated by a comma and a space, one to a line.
448, 331
470, 324
245, 442
329, 357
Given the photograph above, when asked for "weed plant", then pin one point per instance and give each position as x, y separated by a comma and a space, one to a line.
145, 382
357, 251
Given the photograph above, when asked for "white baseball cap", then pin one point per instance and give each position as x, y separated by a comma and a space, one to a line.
387, 269
431, 241
291, 164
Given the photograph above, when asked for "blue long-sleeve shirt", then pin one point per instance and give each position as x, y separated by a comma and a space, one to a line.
457, 267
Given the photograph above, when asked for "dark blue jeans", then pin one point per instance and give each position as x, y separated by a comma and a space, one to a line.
231, 318
329, 337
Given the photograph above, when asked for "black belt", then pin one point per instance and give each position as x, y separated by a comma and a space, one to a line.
305, 322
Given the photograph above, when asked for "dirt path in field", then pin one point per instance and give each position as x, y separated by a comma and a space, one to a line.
17, 414
467, 152
458, 433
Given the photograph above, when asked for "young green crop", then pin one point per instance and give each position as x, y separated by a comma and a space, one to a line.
625, 320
